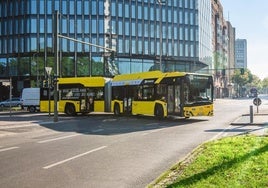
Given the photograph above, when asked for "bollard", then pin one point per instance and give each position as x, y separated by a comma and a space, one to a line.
251, 113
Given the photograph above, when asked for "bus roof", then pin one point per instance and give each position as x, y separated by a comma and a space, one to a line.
86, 81
135, 78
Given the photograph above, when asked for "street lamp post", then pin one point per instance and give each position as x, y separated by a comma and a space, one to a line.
160, 2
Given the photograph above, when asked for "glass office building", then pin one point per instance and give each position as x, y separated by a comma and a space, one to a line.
146, 34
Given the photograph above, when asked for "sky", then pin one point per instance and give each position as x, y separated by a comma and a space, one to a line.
250, 19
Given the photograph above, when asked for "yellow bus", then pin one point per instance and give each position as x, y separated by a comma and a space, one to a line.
163, 94
78, 95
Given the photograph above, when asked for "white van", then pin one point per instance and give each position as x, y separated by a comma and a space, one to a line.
31, 99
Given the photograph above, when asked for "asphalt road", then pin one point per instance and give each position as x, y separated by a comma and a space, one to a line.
103, 150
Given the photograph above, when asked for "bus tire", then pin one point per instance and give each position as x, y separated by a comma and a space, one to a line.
116, 109
32, 109
159, 112
70, 110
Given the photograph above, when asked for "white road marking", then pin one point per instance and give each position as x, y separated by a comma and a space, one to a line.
58, 138
153, 131
7, 149
74, 157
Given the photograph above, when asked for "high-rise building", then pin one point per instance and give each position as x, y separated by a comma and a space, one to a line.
146, 34
241, 53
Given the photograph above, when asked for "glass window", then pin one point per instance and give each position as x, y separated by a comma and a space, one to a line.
57, 5
127, 46
133, 46
94, 8
133, 29
140, 29
146, 47
23, 65
79, 7
152, 13
49, 43
101, 7
33, 25
79, 45
86, 8
140, 48
68, 66
64, 6
79, 25
72, 45
113, 9
126, 10
120, 46
146, 12
49, 6
33, 44
152, 31
124, 66
120, 8
42, 25
33, 7
175, 49
127, 28
83, 66
3, 66
71, 7
139, 12
152, 47
49, 25
133, 11
120, 27
64, 25
72, 25
94, 26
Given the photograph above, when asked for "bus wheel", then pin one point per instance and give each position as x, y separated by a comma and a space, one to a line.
32, 109
70, 110
159, 112
116, 109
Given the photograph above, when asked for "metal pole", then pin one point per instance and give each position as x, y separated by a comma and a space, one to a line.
251, 113
56, 65
160, 20
10, 94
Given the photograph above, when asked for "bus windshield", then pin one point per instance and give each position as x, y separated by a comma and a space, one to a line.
198, 89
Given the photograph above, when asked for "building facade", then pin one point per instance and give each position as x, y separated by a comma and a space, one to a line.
220, 49
146, 34
241, 53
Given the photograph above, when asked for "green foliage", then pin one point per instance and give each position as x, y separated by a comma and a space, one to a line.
265, 82
242, 79
239, 161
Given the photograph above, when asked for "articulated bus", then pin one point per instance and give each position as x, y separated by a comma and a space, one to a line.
163, 94
78, 95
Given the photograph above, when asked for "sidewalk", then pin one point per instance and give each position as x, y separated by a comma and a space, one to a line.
260, 118
259, 126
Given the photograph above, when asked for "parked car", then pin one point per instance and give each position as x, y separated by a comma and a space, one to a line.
13, 102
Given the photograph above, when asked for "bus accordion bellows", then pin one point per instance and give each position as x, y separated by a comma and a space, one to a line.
162, 94
151, 93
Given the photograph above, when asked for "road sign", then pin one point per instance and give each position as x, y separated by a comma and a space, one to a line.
257, 101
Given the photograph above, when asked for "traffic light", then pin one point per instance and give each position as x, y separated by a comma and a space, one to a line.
242, 71
55, 80
45, 84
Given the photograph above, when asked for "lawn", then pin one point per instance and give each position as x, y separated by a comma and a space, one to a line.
238, 161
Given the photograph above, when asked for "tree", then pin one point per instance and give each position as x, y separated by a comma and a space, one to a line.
265, 82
